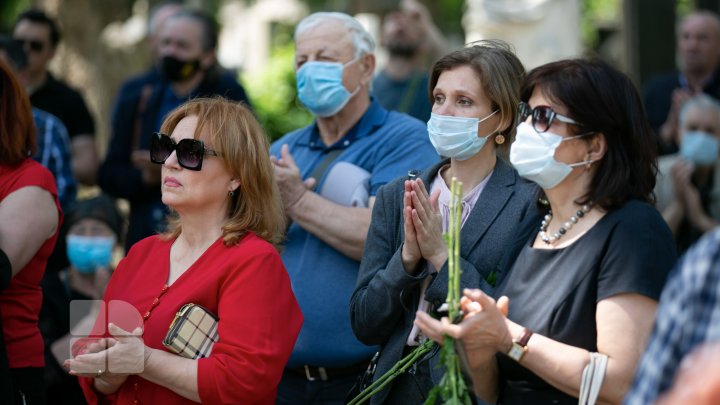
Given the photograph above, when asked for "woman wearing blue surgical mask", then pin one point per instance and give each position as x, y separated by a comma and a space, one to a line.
584, 277
474, 92
688, 186
93, 229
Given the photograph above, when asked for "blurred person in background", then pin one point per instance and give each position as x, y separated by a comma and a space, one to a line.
93, 230
30, 218
411, 38
188, 69
53, 143
40, 35
698, 51
221, 252
688, 185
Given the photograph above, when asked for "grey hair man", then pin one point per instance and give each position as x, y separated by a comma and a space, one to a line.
328, 174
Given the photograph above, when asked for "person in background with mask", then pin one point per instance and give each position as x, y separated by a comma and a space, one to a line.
688, 185
475, 93
93, 230
187, 43
587, 276
329, 173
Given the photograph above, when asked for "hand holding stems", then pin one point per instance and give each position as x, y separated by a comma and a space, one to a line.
483, 332
287, 176
423, 227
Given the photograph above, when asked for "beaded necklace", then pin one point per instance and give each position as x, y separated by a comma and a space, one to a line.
550, 239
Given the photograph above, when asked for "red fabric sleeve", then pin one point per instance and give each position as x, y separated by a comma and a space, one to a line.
259, 323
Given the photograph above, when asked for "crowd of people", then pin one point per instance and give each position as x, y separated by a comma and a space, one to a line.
296, 271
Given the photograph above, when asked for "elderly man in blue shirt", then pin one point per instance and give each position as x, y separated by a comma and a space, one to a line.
328, 174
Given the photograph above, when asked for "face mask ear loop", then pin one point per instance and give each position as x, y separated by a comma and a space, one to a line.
493, 132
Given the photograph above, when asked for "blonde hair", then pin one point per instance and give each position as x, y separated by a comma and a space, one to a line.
236, 135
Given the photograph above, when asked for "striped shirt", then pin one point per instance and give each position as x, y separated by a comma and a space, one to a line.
53, 152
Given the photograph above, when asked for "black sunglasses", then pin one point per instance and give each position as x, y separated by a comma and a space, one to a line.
542, 116
190, 152
31, 44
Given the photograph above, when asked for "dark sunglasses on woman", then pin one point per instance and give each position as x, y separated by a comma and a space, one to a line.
542, 116
189, 152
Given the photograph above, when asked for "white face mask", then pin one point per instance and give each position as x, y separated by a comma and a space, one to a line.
456, 137
533, 156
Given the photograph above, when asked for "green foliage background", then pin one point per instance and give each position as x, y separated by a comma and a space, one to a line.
272, 91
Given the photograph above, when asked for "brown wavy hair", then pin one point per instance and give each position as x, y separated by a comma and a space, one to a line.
17, 128
237, 136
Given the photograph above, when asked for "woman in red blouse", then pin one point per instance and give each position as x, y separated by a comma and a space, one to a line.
29, 219
220, 252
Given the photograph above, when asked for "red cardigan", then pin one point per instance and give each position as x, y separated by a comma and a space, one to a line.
20, 302
246, 285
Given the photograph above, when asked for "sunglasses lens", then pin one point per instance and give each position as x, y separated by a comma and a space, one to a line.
542, 118
190, 153
161, 147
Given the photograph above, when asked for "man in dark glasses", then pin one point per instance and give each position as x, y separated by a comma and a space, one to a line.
185, 45
39, 35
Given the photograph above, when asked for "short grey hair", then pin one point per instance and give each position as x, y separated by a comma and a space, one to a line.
361, 39
702, 101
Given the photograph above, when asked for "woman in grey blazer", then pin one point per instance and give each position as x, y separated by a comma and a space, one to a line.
475, 96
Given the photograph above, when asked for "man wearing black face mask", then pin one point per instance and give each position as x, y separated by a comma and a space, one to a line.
187, 68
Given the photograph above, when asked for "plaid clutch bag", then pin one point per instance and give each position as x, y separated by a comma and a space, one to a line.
193, 332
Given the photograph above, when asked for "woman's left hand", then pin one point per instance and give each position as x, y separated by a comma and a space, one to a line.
483, 332
428, 224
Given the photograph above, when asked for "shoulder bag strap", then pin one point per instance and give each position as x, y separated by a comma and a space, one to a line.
320, 169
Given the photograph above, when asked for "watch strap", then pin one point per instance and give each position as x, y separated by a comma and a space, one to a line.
524, 337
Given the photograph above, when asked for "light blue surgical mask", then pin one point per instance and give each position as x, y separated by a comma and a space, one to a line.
700, 148
456, 137
320, 87
87, 253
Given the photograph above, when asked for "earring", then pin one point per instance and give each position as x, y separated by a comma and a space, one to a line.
500, 139
231, 193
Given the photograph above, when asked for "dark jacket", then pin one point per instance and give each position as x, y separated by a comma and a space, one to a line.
385, 300
117, 176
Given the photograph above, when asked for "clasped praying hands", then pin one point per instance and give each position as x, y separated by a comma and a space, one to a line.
422, 227
111, 359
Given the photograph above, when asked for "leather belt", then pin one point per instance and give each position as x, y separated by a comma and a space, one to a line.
313, 373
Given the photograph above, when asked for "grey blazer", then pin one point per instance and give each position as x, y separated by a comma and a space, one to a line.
383, 306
